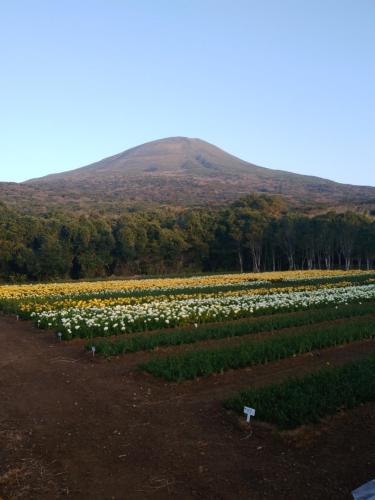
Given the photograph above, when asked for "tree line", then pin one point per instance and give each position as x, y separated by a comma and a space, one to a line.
256, 233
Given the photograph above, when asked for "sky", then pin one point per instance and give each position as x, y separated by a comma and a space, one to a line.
285, 84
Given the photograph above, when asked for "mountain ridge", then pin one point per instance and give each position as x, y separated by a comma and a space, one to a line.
176, 139
180, 172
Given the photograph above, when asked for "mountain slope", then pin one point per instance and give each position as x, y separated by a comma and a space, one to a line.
177, 171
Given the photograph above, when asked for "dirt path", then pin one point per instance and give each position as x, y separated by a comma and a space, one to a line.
73, 427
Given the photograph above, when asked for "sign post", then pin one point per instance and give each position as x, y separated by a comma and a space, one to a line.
249, 412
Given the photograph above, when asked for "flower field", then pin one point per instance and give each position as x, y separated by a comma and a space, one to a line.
117, 319
262, 317
106, 308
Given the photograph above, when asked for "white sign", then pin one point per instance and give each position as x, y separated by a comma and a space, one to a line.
366, 491
249, 412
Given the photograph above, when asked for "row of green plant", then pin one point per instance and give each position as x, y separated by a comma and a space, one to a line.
356, 279
203, 362
142, 342
306, 400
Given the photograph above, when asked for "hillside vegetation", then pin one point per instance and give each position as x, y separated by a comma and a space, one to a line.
177, 172
256, 233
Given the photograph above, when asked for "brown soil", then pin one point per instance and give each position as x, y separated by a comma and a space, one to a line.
77, 427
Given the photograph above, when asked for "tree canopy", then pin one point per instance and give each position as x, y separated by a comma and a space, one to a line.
255, 233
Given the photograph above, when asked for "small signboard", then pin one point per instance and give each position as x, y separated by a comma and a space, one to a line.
365, 492
249, 412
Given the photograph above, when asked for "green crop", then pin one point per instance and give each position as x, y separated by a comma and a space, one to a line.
143, 342
197, 363
306, 400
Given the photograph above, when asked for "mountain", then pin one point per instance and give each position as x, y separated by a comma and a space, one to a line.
176, 171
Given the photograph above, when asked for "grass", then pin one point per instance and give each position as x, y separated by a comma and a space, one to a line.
197, 363
142, 342
306, 400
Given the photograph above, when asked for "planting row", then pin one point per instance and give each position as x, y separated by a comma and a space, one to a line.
144, 342
306, 400
105, 321
25, 309
153, 287
197, 363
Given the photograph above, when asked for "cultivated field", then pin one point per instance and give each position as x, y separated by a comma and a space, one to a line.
139, 386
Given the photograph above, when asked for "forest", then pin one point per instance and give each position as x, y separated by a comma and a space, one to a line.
256, 233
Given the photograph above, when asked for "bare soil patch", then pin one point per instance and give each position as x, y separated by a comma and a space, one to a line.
76, 427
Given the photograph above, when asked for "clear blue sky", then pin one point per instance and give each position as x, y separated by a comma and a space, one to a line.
285, 84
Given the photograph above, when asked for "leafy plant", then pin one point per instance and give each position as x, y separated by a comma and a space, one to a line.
306, 400
192, 364
142, 342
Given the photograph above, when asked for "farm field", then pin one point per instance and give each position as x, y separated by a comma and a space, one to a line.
134, 388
